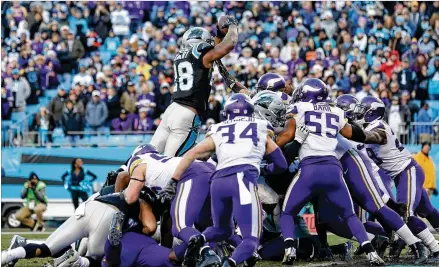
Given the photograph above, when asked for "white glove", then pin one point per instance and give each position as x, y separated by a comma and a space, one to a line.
301, 133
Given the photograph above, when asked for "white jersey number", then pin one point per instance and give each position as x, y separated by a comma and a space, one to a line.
184, 78
316, 121
250, 132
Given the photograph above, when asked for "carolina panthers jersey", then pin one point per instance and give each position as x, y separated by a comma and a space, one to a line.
391, 157
159, 169
324, 122
240, 141
192, 79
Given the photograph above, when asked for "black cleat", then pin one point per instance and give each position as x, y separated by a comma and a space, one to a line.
374, 259
380, 243
325, 253
228, 263
290, 256
396, 248
193, 250
16, 241
420, 252
434, 259
115, 232
251, 262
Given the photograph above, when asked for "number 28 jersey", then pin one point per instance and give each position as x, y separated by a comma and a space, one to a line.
323, 122
240, 141
192, 79
391, 157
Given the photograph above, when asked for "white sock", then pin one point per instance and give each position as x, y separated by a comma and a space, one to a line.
405, 233
370, 236
428, 239
83, 262
16, 254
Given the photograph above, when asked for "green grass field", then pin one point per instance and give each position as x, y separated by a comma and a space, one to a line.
333, 240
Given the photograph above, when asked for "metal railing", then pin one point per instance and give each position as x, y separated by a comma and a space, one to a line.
413, 133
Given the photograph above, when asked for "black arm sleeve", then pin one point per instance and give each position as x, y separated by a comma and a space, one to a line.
291, 151
358, 134
92, 175
63, 177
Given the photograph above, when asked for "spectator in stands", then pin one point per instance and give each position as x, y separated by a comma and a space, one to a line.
120, 19
433, 82
213, 109
75, 182
96, 112
164, 99
113, 104
82, 78
77, 104
424, 132
123, 123
75, 49
56, 105
101, 20
143, 122
427, 164
129, 98
398, 116
7, 103
34, 194
71, 121
20, 90
146, 98
44, 124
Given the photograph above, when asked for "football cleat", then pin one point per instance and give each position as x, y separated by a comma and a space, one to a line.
228, 263
380, 243
374, 259
115, 233
195, 244
16, 241
208, 258
252, 260
68, 254
420, 252
396, 248
290, 256
70, 261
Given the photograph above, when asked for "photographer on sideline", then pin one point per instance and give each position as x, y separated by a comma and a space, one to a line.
34, 192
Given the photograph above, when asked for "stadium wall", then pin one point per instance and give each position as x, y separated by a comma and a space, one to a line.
51, 163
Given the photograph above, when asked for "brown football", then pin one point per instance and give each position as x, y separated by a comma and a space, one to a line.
221, 21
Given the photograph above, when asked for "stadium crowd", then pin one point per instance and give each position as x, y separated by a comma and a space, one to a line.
112, 62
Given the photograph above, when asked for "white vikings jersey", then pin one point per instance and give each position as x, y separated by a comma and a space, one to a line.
240, 141
159, 169
324, 122
391, 157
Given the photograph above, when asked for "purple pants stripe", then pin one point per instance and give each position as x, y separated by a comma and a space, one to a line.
409, 187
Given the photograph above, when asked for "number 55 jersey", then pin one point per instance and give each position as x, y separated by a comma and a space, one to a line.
324, 122
240, 141
391, 157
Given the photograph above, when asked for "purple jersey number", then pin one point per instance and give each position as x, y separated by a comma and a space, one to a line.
250, 132
314, 119
160, 158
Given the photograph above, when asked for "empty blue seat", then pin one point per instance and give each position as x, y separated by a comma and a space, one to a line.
98, 140
133, 140
116, 140
433, 108
18, 116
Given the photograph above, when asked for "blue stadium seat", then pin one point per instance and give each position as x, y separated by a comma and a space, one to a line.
60, 141
6, 124
133, 140
17, 116
116, 140
98, 140
51, 93
147, 138
105, 56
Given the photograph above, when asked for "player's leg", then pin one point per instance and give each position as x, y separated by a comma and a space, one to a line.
409, 191
270, 203
184, 127
187, 205
153, 255
298, 194
365, 190
161, 135
24, 216
426, 210
248, 214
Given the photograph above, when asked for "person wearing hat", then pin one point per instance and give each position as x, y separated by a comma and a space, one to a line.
20, 91
427, 164
96, 112
34, 194
122, 123
129, 98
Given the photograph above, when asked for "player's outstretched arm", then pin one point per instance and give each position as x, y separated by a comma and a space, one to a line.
236, 86
274, 155
137, 181
226, 46
202, 150
146, 216
287, 134
355, 133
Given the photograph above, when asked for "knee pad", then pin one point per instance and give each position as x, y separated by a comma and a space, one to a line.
31, 250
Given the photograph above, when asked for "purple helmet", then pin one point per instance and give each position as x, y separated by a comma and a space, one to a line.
238, 105
369, 110
270, 81
347, 103
144, 149
311, 90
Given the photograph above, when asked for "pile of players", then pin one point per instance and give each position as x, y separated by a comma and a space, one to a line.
235, 197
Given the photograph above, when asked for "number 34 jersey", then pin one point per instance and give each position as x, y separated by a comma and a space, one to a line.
391, 157
323, 121
192, 79
240, 141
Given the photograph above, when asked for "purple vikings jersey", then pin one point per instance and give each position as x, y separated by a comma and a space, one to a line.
391, 157
240, 141
324, 122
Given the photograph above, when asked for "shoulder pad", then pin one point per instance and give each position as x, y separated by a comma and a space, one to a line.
200, 48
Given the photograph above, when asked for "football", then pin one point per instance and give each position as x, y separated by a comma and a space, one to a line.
221, 20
